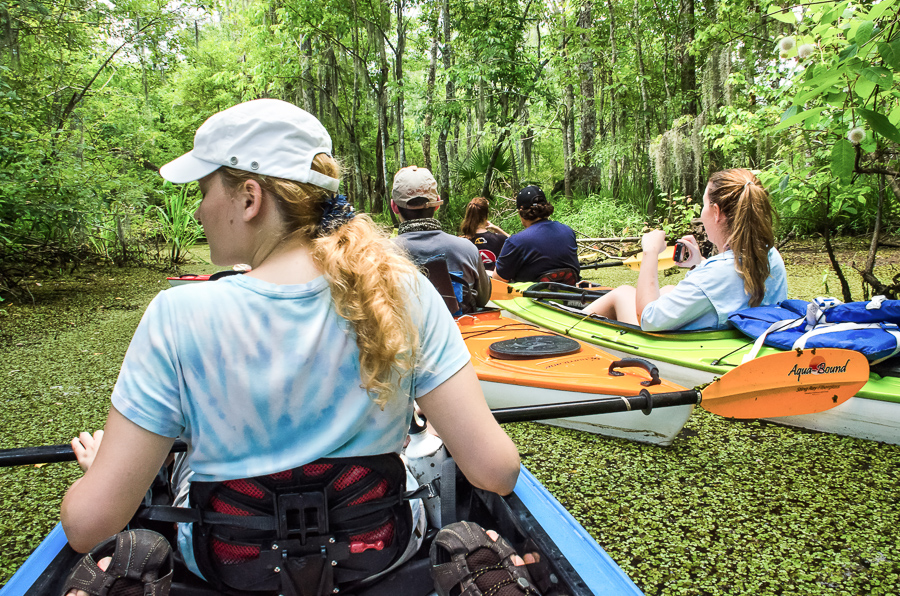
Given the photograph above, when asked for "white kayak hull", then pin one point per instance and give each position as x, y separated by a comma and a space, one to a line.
858, 417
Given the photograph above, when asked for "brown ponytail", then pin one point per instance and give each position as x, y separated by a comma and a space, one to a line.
748, 214
476, 214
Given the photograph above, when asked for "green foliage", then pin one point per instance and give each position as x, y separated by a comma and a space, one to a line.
176, 221
598, 216
842, 68
470, 171
677, 215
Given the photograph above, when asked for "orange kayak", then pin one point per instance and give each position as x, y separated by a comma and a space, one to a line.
520, 364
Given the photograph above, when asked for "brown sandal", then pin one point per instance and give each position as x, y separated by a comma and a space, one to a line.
466, 562
141, 566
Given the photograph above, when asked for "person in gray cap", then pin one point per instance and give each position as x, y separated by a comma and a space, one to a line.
415, 199
544, 251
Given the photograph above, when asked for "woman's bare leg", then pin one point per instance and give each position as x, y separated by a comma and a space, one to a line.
618, 304
665, 290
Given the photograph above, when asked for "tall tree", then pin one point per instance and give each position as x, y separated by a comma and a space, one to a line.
586, 76
449, 97
398, 78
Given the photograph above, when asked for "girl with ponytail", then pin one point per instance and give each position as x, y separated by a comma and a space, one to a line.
487, 237
320, 351
747, 271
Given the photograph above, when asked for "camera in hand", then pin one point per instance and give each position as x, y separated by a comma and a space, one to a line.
682, 252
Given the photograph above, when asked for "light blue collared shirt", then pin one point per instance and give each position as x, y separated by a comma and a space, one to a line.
709, 293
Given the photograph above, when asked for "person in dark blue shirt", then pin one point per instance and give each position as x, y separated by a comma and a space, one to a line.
544, 248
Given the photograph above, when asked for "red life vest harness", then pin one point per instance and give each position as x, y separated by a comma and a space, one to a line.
310, 531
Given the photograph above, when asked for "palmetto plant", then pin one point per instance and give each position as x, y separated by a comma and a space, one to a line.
177, 223
472, 169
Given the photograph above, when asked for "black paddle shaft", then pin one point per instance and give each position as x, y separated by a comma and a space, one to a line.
49, 454
603, 264
586, 296
644, 401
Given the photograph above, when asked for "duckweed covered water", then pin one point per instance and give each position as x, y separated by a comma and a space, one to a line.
730, 508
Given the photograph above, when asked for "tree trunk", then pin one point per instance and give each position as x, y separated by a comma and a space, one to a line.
527, 140
334, 84
480, 107
445, 166
470, 132
142, 50
376, 40
686, 59
429, 94
306, 77
876, 233
568, 124
398, 76
380, 180
646, 182
450, 91
586, 69
358, 74
569, 140
615, 108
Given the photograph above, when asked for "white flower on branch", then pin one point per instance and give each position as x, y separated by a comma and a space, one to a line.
856, 135
786, 44
806, 50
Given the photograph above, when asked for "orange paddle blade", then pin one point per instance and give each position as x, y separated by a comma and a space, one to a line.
666, 260
500, 290
788, 383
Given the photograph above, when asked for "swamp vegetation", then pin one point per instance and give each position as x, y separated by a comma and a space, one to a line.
621, 108
731, 508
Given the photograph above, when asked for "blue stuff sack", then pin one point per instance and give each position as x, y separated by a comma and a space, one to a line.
870, 328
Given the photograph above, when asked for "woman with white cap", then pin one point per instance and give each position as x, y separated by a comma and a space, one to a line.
317, 352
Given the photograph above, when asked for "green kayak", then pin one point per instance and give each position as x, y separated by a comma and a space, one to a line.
689, 358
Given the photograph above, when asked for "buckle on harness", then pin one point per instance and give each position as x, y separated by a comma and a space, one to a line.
360, 547
301, 513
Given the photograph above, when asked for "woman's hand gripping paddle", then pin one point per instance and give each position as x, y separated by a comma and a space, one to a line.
666, 260
773, 386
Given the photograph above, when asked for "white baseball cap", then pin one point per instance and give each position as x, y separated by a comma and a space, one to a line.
264, 136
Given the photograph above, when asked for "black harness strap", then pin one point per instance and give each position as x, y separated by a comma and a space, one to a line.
448, 492
308, 531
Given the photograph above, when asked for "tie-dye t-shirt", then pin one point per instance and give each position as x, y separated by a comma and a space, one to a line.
260, 378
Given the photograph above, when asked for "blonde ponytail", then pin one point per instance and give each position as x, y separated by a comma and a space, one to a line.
370, 278
370, 281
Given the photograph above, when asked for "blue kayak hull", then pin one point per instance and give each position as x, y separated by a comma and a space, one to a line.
584, 565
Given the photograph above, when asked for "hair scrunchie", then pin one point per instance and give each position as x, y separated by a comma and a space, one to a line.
337, 211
